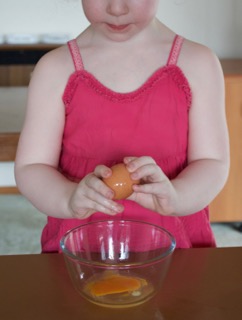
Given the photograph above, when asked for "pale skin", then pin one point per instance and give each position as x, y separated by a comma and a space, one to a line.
113, 54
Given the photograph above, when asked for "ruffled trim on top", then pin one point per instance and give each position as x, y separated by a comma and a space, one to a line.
169, 70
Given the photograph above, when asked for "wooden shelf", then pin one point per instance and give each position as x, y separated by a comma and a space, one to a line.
17, 62
227, 206
15, 75
8, 146
36, 46
232, 67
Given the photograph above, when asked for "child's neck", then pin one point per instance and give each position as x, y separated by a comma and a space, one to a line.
125, 66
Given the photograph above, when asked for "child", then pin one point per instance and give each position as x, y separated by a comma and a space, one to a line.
127, 89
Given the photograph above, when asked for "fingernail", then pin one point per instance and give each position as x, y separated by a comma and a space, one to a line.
107, 173
110, 194
134, 176
117, 208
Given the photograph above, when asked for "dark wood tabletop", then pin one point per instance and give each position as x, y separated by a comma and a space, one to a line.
201, 284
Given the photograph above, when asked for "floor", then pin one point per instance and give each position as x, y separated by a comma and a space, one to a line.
21, 225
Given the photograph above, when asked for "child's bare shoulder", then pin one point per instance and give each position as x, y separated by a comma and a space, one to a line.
198, 52
56, 64
198, 61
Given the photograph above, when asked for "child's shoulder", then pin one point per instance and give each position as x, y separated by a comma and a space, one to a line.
199, 61
198, 55
55, 63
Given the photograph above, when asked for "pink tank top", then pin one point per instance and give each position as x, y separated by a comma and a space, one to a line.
103, 126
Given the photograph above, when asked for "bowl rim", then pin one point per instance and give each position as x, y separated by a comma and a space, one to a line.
157, 259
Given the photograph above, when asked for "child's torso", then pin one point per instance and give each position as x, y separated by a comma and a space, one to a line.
103, 126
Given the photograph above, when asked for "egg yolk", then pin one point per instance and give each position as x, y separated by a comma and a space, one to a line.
115, 284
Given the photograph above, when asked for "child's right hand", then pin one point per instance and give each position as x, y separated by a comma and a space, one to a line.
92, 195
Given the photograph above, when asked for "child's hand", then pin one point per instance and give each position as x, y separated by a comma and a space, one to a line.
92, 195
156, 191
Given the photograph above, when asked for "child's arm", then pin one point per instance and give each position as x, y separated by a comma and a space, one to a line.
208, 149
40, 145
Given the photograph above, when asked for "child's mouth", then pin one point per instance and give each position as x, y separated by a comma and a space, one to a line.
121, 27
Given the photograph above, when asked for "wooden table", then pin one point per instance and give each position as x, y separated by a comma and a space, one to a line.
202, 284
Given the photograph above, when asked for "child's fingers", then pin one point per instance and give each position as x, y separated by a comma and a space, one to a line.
107, 207
100, 200
127, 160
149, 173
92, 182
150, 188
98, 192
146, 169
102, 171
135, 163
91, 201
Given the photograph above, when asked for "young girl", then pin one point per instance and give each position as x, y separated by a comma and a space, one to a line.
127, 89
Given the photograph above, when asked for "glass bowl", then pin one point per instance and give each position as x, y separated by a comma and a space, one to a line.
117, 263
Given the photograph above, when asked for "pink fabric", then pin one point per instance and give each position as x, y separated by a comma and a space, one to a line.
103, 126
175, 50
76, 57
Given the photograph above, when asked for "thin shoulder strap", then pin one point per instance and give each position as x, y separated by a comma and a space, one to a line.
75, 53
175, 50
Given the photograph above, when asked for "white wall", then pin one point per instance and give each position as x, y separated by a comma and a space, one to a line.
215, 23
7, 174
41, 16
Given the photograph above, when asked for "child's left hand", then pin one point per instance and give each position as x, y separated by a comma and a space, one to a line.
156, 191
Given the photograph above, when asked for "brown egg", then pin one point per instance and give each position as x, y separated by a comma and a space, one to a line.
120, 182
